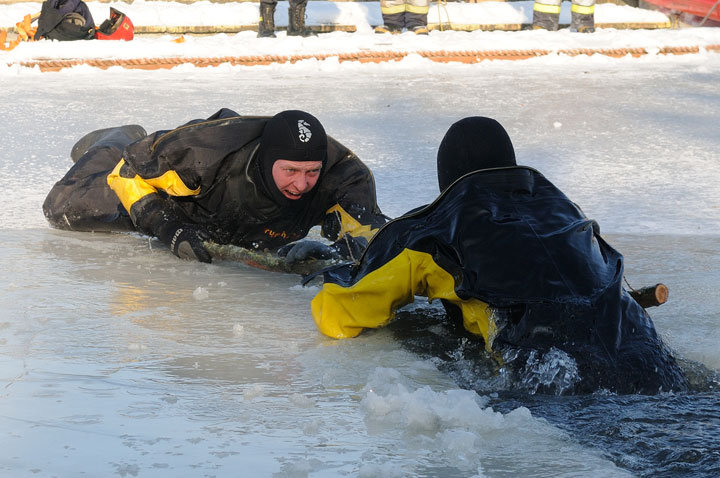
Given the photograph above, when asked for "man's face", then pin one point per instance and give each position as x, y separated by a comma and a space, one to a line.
295, 178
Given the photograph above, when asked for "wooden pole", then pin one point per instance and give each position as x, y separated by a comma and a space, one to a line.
651, 296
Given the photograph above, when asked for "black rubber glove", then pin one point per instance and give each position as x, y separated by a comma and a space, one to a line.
186, 242
306, 250
349, 247
152, 215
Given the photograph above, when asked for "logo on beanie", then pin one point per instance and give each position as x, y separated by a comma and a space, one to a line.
304, 131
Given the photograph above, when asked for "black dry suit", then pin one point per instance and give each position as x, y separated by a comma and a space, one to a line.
523, 267
207, 173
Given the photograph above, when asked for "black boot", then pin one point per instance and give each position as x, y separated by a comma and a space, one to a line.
582, 23
266, 26
546, 21
296, 21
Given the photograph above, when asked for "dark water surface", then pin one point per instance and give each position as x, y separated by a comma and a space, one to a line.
668, 434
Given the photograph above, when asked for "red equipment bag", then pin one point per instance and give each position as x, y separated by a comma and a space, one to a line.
117, 27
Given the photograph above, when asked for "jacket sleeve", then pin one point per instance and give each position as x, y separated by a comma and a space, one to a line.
130, 187
343, 312
144, 198
355, 211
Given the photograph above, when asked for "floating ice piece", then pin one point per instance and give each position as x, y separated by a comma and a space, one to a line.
201, 293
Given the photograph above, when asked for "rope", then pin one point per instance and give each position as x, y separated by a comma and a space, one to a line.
442, 56
628, 284
707, 15
443, 3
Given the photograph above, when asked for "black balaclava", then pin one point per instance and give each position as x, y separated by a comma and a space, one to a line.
294, 136
471, 144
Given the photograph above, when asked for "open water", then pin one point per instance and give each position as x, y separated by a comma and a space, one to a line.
117, 359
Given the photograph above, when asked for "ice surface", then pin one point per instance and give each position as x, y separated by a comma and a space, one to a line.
110, 366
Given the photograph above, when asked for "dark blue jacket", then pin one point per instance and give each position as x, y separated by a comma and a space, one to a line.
73, 6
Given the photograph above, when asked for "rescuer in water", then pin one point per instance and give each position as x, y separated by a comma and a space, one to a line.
513, 259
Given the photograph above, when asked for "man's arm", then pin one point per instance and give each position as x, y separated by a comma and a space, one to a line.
344, 311
355, 217
151, 213
177, 163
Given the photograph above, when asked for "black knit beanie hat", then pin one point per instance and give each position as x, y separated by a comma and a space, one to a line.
471, 144
294, 136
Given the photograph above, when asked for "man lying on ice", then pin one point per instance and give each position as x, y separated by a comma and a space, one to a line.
512, 258
250, 181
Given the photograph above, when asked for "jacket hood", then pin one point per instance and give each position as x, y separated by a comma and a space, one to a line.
472, 144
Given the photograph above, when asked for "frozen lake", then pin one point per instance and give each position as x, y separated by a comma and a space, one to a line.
117, 359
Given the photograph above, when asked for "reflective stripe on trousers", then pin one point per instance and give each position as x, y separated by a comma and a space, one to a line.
390, 7
586, 7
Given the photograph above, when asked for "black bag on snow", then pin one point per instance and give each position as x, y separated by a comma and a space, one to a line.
56, 26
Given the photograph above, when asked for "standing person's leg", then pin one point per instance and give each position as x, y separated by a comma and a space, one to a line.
296, 19
583, 16
416, 12
82, 200
393, 15
546, 14
266, 25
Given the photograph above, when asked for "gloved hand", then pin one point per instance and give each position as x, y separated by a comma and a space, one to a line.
305, 250
186, 242
349, 247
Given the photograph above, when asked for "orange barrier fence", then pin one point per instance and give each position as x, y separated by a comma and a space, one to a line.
362, 57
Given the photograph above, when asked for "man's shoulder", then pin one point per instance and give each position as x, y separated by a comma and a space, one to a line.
223, 118
216, 132
503, 180
339, 154
210, 140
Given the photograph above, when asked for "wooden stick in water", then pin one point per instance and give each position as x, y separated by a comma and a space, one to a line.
651, 296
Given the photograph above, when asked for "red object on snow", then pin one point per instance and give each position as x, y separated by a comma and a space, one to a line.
699, 8
117, 27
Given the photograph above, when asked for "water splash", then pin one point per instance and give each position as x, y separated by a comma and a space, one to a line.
553, 371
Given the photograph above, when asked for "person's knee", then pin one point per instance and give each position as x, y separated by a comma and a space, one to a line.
117, 137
